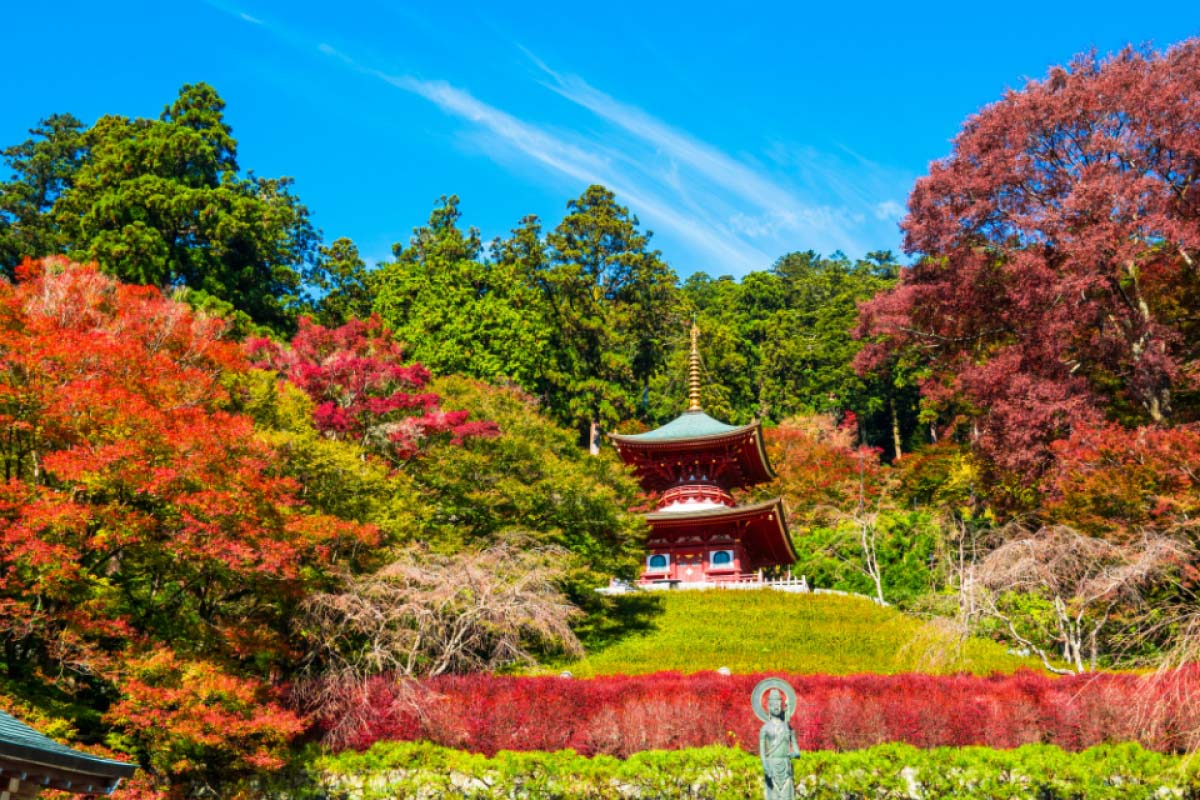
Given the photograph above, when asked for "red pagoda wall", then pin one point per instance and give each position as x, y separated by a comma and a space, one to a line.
692, 562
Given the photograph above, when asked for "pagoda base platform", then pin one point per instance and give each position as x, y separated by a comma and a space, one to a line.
751, 581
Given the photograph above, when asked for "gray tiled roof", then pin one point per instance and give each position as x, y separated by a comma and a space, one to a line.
20, 742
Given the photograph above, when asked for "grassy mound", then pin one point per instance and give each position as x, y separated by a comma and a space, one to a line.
769, 631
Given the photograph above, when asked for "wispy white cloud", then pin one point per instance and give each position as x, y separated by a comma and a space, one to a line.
579, 163
781, 210
889, 209
233, 10
747, 184
710, 209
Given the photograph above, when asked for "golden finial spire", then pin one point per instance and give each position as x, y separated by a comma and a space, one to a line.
694, 370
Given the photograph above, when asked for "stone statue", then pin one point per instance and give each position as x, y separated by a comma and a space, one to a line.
776, 740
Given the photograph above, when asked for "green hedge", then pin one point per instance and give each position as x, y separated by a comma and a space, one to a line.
1034, 772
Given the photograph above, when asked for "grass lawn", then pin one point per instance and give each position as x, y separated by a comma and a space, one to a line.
769, 631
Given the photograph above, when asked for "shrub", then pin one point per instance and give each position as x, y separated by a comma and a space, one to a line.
621, 715
1032, 772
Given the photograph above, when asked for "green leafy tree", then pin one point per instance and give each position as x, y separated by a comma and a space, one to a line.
161, 202
613, 305
905, 549
783, 342
459, 312
808, 358
347, 286
43, 167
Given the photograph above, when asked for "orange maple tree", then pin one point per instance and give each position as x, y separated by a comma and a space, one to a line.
151, 548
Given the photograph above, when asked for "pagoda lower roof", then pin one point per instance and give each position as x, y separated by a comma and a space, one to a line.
764, 527
35, 756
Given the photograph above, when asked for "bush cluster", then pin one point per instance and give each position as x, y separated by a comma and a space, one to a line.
1031, 772
621, 716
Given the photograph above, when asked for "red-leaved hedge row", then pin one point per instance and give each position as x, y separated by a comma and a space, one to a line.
621, 715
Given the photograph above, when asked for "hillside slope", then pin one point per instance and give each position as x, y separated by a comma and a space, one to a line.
766, 631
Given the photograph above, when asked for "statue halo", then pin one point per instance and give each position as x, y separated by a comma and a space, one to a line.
760, 692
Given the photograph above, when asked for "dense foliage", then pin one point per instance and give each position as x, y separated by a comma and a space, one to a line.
1056, 272
461, 312
780, 343
590, 320
148, 540
168, 509
364, 389
621, 715
1031, 772
161, 202
533, 480
579, 317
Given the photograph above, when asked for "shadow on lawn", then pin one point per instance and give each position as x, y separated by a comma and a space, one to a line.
625, 615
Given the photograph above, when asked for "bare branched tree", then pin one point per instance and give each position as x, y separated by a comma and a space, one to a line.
866, 524
1058, 586
428, 614
863, 525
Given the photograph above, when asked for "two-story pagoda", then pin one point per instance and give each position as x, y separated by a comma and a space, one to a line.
698, 535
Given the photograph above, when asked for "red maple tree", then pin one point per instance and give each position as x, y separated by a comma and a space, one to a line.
363, 390
1058, 266
820, 470
142, 522
1118, 483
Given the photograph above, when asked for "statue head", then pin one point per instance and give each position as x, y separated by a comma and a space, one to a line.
775, 703
772, 699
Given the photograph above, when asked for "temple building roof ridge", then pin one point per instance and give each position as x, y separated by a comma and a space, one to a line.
688, 425
40, 761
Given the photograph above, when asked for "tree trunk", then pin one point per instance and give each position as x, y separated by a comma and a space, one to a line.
896, 442
594, 438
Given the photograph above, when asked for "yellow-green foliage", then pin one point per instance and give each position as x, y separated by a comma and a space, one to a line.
392, 770
769, 631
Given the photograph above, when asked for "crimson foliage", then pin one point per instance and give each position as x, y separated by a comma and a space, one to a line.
621, 715
363, 389
1114, 482
1059, 248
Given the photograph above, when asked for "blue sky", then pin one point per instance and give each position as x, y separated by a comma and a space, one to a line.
736, 132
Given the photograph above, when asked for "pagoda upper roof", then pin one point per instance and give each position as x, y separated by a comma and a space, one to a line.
687, 426
24, 750
694, 435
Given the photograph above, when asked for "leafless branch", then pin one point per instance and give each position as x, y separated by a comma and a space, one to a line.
428, 614
1083, 579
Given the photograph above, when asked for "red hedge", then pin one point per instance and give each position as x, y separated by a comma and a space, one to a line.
621, 715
